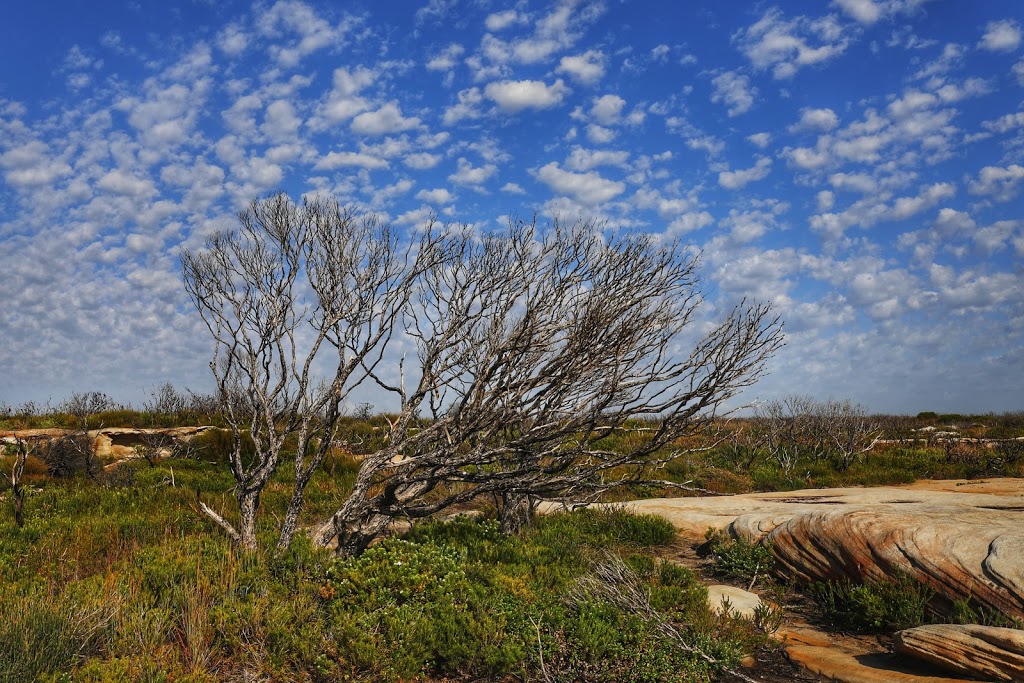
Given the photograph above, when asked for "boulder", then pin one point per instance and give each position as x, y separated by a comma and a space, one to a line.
741, 603
986, 652
964, 539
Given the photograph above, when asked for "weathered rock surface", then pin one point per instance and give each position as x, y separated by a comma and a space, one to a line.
855, 660
742, 603
113, 442
964, 539
987, 652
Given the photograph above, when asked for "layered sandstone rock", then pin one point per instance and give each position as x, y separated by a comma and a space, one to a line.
986, 652
964, 539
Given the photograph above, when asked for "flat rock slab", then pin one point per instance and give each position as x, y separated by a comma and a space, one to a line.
987, 652
742, 603
853, 661
962, 538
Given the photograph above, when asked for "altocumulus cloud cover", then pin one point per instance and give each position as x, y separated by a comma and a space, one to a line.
859, 164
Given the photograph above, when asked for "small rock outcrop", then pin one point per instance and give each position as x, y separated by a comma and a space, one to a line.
740, 602
986, 652
113, 443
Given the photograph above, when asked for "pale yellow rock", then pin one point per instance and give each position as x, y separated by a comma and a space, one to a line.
985, 652
113, 443
740, 602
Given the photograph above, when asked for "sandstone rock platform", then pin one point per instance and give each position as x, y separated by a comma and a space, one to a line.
965, 539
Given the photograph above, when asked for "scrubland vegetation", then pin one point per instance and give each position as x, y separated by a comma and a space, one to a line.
116, 575
549, 365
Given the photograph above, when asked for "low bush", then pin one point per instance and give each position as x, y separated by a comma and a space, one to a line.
737, 559
873, 607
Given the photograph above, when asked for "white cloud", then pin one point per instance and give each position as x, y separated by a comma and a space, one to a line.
467, 174
512, 188
734, 180
607, 109
30, 165
232, 40
853, 182
280, 121
951, 222
436, 196
387, 119
587, 68
422, 160
1001, 36
128, 184
822, 120
515, 96
688, 222
343, 102
1005, 123
467, 108
502, 20
735, 91
581, 159
1002, 184
1018, 71
599, 134
558, 30
864, 11
300, 22
446, 59
341, 159
905, 207
826, 200
760, 140
588, 188
787, 45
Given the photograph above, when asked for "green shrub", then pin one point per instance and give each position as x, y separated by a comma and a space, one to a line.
737, 559
873, 607
606, 526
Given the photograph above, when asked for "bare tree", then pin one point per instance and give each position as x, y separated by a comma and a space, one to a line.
850, 431
294, 285
21, 453
786, 429
799, 427
534, 347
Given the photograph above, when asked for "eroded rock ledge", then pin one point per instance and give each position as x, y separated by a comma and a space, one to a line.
965, 539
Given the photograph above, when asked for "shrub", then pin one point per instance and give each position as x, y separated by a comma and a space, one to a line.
873, 607
69, 455
737, 559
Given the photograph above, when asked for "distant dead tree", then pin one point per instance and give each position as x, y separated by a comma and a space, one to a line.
532, 347
784, 425
14, 477
799, 427
849, 430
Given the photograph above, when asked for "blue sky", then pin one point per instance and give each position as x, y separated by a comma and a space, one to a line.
859, 164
